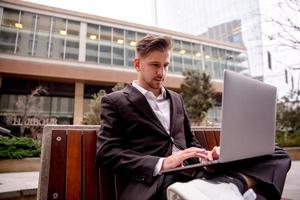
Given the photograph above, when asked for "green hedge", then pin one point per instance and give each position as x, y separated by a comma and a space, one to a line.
288, 139
18, 148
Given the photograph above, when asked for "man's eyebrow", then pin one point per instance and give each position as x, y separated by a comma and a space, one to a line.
157, 62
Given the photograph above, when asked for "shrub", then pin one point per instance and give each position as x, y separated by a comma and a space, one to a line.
288, 139
19, 147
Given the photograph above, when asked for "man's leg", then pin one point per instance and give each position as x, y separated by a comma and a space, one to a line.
265, 174
169, 179
269, 172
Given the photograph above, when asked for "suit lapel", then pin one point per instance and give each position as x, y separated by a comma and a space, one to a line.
139, 101
173, 111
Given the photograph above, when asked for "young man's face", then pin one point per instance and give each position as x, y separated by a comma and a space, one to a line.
152, 70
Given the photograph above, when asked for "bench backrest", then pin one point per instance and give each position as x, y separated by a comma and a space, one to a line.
68, 165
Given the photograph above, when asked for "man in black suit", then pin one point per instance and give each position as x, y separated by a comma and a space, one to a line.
145, 129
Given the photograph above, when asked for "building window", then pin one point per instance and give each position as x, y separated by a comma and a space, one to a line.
57, 103
130, 43
197, 57
177, 57
8, 31
105, 44
42, 36
72, 40
25, 37
187, 55
92, 43
118, 46
105, 54
59, 33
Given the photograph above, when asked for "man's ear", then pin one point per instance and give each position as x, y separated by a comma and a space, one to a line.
137, 64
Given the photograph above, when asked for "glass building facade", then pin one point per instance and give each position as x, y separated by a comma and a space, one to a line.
37, 34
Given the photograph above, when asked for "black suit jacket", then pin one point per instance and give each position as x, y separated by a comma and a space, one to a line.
131, 139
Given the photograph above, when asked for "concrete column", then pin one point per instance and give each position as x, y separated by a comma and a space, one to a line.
78, 103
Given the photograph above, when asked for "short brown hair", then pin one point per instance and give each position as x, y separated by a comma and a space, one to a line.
152, 43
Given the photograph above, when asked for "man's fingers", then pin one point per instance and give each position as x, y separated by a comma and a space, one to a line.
194, 149
186, 155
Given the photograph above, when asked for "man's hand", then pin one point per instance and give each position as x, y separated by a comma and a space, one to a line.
177, 159
213, 154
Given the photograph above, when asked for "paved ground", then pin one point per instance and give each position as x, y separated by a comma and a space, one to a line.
292, 184
14, 184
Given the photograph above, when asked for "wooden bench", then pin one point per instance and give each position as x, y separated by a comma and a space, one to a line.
68, 165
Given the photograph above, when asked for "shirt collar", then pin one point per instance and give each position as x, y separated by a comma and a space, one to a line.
163, 94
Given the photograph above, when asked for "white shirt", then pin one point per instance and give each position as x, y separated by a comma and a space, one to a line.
161, 107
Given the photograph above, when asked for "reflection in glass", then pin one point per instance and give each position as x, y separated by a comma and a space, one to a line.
140, 36
118, 38
26, 34
72, 40
62, 107
105, 35
177, 64
58, 38
8, 31
130, 53
118, 48
42, 36
92, 38
130, 47
197, 56
187, 55
118, 56
105, 54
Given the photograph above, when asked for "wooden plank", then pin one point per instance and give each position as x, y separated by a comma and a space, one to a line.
57, 172
74, 165
90, 170
211, 140
200, 136
217, 136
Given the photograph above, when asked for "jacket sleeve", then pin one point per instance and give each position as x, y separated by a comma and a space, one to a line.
112, 151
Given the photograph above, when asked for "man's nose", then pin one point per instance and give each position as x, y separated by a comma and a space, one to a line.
160, 71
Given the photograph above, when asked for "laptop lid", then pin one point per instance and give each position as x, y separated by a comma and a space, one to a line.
248, 118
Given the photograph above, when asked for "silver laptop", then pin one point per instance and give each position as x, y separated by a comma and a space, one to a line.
248, 120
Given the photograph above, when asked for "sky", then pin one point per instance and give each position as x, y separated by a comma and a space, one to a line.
128, 10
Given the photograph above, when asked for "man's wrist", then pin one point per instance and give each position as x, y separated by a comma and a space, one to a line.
158, 167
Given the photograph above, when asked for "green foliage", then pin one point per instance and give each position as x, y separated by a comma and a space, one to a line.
198, 94
18, 147
288, 139
288, 113
118, 86
93, 117
288, 119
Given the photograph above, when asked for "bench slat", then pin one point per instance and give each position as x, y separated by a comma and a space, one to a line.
217, 136
201, 138
73, 172
57, 173
74, 161
90, 170
211, 140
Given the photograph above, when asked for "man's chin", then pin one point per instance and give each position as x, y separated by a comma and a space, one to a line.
156, 86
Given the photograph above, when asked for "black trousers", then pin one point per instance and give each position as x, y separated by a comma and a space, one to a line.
269, 171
